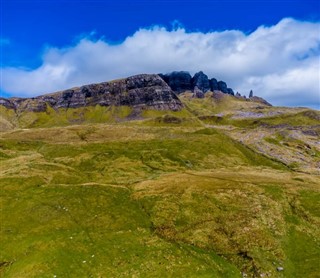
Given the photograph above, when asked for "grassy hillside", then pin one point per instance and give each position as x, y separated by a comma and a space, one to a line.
289, 135
225, 187
135, 200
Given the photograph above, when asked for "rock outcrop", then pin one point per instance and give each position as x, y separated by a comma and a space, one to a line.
214, 84
198, 93
142, 91
181, 81
7, 103
201, 81
222, 86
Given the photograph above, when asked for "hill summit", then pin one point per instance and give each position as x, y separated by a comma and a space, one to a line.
143, 91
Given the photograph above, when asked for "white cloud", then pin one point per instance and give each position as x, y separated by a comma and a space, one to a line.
280, 62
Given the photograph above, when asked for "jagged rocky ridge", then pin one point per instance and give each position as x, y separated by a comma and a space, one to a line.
153, 91
139, 91
181, 81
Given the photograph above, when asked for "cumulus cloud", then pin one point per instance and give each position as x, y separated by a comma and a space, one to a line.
279, 63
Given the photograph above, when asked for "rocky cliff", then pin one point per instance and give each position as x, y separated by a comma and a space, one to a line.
144, 91
140, 91
181, 81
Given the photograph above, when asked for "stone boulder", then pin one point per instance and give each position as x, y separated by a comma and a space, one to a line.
197, 93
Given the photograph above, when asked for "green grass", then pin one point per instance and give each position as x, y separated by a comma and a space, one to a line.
59, 228
310, 201
272, 141
86, 231
196, 112
303, 255
299, 119
109, 192
148, 201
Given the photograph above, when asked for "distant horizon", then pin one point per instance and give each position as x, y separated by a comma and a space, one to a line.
270, 47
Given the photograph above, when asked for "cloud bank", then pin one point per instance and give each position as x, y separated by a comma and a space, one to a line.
280, 62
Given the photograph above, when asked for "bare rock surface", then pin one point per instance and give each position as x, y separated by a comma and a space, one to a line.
144, 90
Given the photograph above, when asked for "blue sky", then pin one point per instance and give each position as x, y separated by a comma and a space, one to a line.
56, 44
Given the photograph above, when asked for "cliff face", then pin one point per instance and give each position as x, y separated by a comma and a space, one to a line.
142, 91
180, 81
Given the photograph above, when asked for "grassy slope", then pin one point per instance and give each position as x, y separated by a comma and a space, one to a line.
134, 201
85, 115
163, 196
290, 135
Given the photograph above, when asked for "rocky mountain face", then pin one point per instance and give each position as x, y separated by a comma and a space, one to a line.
144, 91
201, 82
140, 91
180, 81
